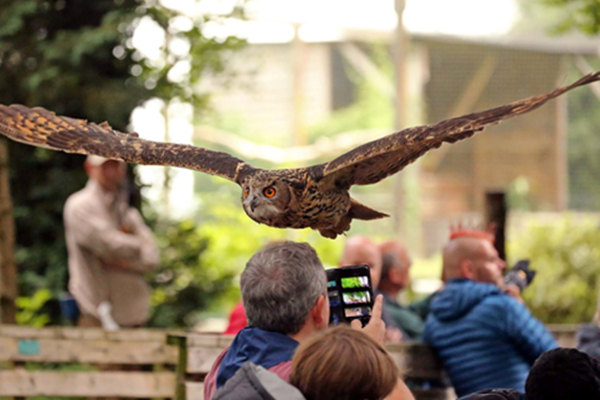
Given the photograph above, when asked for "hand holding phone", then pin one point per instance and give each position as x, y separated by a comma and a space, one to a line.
350, 294
376, 327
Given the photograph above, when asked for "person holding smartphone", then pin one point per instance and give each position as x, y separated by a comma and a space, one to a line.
284, 292
360, 250
322, 365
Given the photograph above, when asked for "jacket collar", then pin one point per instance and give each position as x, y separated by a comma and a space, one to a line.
263, 348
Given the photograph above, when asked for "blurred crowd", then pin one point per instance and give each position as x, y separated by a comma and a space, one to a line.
487, 340
285, 346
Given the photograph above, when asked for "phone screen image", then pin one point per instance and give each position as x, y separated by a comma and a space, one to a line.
334, 299
356, 297
350, 294
357, 312
355, 282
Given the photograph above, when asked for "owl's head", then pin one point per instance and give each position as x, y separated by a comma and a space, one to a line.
265, 200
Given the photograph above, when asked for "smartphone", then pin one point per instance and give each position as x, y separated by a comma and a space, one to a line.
350, 294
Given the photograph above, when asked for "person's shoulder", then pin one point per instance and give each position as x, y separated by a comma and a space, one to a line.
210, 382
502, 302
505, 301
253, 382
75, 201
283, 370
82, 200
495, 394
79, 196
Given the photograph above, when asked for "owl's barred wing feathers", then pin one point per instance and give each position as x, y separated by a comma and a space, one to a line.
374, 161
42, 128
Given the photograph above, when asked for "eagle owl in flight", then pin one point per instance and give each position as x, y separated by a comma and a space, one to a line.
314, 197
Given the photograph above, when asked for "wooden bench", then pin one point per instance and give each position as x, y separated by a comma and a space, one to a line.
25, 351
198, 352
191, 355
565, 335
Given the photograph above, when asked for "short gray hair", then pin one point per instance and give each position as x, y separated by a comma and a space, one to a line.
280, 285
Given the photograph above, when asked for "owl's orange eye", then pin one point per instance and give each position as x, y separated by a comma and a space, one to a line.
269, 192
246, 193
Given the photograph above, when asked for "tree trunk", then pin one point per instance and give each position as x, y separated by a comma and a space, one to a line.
8, 270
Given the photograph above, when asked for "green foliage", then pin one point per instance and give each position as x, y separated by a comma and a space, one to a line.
76, 58
519, 196
583, 139
30, 309
427, 268
202, 260
566, 255
58, 55
561, 16
582, 15
206, 55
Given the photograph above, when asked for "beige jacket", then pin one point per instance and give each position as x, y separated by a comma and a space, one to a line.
105, 262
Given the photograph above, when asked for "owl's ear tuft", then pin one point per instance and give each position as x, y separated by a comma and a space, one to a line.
296, 185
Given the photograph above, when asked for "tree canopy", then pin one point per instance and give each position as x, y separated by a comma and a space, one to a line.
77, 58
582, 15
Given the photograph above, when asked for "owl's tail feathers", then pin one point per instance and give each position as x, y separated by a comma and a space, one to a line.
360, 211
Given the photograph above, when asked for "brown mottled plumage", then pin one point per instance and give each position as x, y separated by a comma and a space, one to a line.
315, 197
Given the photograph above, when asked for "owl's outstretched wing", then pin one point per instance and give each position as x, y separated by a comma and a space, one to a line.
374, 161
42, 128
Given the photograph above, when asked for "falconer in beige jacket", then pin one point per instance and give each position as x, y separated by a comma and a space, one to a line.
110, 248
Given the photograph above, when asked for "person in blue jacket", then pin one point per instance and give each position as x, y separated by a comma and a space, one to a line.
485, 337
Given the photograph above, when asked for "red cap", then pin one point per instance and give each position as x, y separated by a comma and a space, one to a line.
488, 234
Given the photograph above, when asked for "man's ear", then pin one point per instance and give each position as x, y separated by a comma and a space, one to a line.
467, 269
317, 312
89, 170
395, 275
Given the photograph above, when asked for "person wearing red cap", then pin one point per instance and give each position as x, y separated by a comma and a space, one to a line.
237, 320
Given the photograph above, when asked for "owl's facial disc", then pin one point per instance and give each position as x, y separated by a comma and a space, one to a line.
265, 203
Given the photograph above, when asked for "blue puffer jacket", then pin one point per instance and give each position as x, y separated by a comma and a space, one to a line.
484, 337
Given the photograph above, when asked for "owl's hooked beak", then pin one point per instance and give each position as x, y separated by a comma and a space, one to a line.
253, 203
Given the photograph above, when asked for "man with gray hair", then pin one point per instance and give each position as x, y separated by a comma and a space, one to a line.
284, 291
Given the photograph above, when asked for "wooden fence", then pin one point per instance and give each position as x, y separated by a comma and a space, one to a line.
30, 349
180, 362
198, 352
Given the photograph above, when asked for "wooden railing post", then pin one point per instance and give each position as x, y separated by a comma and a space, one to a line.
181, 367
8, 270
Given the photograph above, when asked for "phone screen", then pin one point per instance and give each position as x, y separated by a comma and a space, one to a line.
350, 294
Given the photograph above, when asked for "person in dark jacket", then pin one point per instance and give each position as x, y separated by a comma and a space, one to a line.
495, 394
558, 374
588, 339
562, 374
588, 336
284, 293
394, 279
341, 363
485, 337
